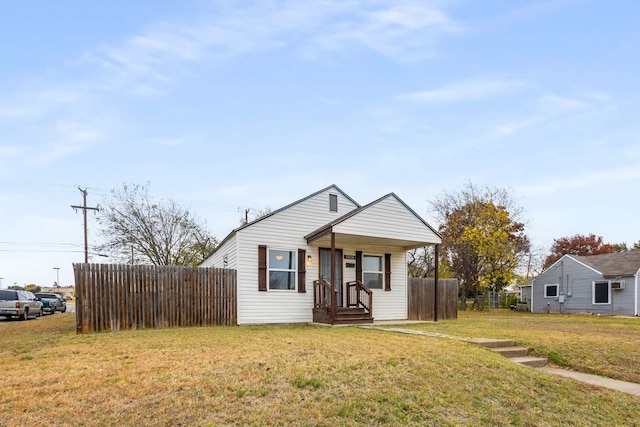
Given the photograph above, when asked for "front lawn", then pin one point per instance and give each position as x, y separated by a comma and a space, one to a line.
601, 345
280, 375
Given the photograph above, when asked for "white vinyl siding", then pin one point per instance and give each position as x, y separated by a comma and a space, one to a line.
387, 305
388, 219
285, 229
228, 252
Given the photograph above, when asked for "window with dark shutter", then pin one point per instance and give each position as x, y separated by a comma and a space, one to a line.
262, 268
302, 270
387, 272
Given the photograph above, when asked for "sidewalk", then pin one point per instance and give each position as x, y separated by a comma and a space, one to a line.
622, 386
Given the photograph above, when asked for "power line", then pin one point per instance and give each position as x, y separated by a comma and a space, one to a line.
39, 243
85, 208
105, 192
41, 251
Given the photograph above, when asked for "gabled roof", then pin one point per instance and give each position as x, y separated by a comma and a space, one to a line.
328, 227
617, 264
332, 186
249, 224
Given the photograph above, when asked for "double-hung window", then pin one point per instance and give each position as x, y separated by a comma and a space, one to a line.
282, 269
372, 271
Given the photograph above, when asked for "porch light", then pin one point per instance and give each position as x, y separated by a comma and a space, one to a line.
309, 259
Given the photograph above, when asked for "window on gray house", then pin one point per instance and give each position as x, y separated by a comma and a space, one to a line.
550, 291
601, 293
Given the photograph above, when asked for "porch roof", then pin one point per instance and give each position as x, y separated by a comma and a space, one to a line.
387, 221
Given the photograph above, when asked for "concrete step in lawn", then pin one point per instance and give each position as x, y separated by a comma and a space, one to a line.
534, 362
512, 352
509, 350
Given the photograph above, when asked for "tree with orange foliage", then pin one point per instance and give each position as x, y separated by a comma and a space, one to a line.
578, 245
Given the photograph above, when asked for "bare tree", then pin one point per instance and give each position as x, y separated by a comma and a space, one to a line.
138, 230
255, 215
532, 264
421, 262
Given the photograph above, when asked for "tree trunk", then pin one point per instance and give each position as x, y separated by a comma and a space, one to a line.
475, 298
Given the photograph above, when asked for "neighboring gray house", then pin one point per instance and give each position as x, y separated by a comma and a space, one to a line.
602, 284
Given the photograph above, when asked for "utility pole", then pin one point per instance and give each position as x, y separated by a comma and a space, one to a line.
84, 210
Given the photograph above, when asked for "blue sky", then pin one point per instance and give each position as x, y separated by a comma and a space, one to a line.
226, 105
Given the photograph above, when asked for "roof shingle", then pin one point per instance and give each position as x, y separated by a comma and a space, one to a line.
617, 264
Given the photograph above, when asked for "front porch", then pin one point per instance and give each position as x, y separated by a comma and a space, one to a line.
356, 255
357, 308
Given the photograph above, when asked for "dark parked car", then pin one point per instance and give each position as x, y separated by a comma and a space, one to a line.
52, 302
20, 304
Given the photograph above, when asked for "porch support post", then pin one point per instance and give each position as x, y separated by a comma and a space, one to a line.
334, 299
435, 286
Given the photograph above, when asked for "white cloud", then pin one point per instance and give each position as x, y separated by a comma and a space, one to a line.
398, 28
558, 103
541, 111
591, 179
528, 11
469, 90
33, 104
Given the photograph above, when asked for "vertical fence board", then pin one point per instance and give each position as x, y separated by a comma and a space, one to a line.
420, 304
117, 297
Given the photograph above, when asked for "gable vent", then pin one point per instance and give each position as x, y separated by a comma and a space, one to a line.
333, 203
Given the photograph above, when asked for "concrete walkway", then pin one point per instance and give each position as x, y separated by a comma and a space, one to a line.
622, 386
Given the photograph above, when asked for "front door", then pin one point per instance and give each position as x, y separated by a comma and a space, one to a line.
325, 270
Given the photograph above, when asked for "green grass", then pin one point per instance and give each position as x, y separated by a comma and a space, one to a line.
283, 375
601, 345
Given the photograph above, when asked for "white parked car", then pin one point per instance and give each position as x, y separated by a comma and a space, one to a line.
20, 304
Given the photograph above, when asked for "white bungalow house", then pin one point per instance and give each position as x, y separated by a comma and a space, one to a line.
601, 284
285, 272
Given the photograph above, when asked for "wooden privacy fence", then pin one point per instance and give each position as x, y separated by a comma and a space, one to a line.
420, 293
116, 297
